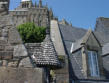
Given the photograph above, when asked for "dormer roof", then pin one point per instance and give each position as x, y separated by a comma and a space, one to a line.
78, 44
49, 56
43, 54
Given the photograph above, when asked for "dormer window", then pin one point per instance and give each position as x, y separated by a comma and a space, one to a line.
93, 63
86, 55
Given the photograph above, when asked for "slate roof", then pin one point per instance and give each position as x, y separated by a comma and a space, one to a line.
70, 34
76, 66
44, 53
79, 43
76, 45
101, 37
78, 37
102, 30
105, 49
49, 55
33, 48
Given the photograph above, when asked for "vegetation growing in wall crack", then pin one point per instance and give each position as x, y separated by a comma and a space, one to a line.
61, 58
30, 33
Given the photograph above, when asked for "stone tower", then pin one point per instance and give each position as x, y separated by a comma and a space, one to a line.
29, 12
4, 6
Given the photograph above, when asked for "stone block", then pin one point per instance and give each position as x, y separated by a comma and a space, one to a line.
20, 50
25, 63
9, 48
3, 42
4, 63
2, 47
13, 64
6, 55
14, 37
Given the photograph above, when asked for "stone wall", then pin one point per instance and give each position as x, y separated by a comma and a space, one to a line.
56, 38
62, 75
21, 75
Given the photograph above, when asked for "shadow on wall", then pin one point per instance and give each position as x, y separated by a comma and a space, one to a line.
106, 72
71, 72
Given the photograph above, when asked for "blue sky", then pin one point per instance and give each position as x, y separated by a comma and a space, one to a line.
81, 13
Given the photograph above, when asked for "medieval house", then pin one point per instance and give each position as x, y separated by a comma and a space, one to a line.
87, 51
72, 57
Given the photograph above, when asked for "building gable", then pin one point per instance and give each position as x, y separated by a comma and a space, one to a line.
89, 40
92, 41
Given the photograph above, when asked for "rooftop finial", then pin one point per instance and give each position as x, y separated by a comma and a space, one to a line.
40, 3
35, 4
90, 28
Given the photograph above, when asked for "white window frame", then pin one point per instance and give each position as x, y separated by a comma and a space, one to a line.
93, 63
71, 50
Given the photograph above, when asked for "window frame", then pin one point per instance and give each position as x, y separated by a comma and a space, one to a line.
93, 64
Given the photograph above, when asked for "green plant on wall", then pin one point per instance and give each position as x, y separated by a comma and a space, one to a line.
52, 73
30, 33
61, 58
